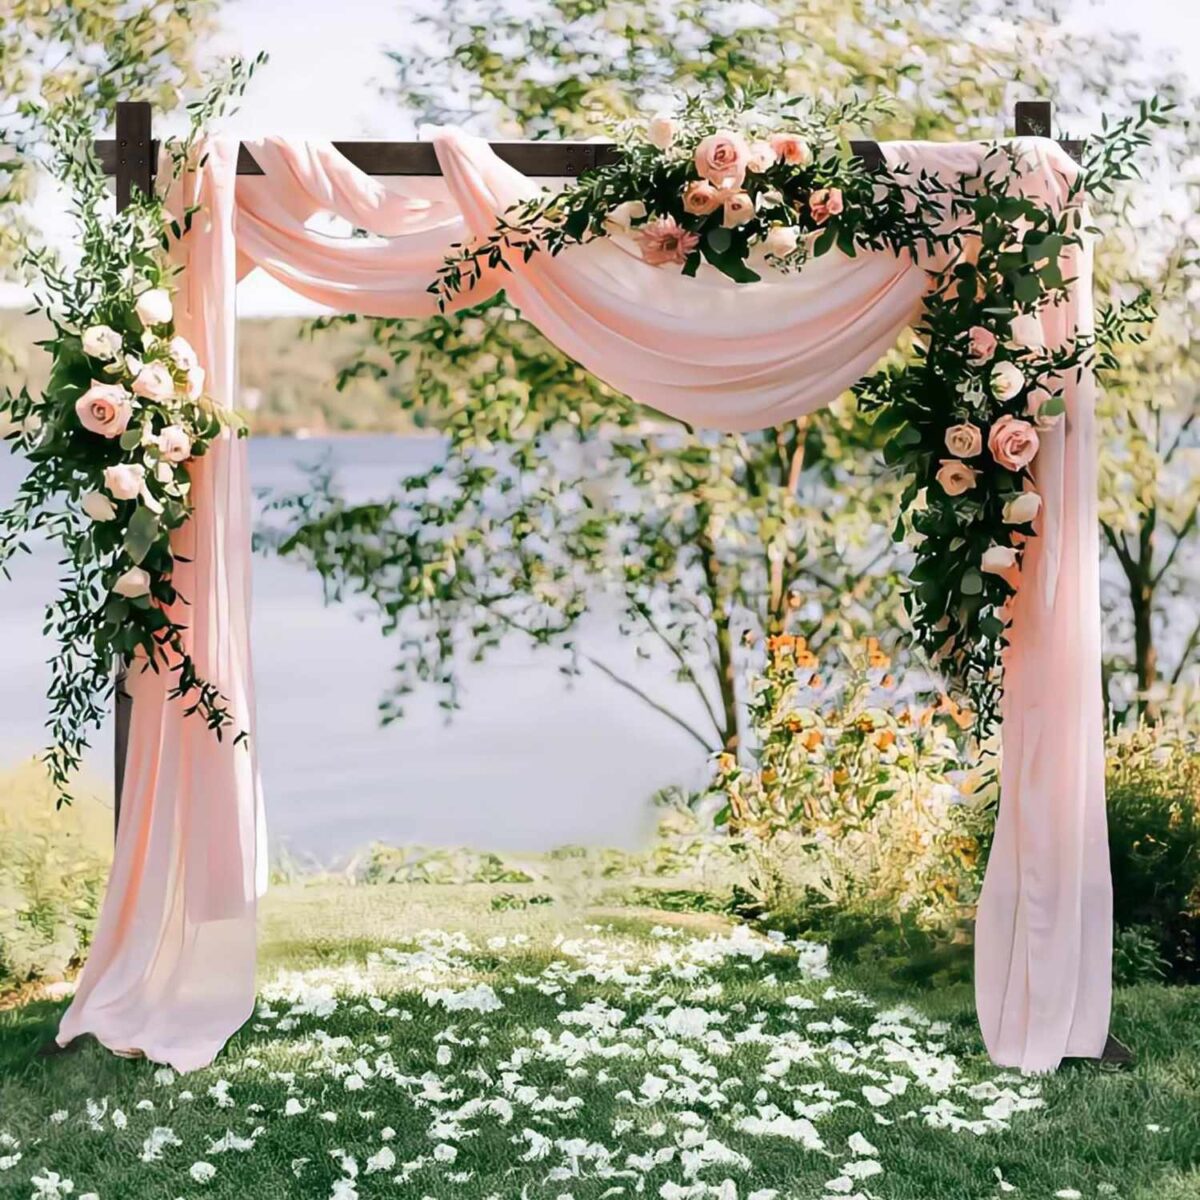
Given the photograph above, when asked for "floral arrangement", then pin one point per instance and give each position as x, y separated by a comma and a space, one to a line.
109, 444
764, 186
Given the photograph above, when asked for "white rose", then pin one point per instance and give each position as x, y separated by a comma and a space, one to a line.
99, 341
781, 240
154, 382
1007, 381
1022, 509
182, 354
998, 559
661, 131
98, 506
624, 215
135, 582
154, 307
125, 480
1027, 332
195, 382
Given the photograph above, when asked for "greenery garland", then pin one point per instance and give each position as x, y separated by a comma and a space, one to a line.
110, 438
760, 185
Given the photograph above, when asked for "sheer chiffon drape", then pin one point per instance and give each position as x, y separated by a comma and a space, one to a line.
171, 971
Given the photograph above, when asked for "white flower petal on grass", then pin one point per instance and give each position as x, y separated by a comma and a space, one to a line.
50, 1185
159, 1139
1069, 1194
877, 1096
383, 1159
859, 1145
344, 1189
863, 1168
770, 1122
202, 1171
8, 1161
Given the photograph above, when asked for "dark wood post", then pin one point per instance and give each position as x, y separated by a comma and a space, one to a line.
1034, 118
134, 173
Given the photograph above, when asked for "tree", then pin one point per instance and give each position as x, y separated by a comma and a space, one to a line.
99, 52
708, 540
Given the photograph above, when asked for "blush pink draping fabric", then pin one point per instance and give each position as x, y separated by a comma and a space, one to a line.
707, 351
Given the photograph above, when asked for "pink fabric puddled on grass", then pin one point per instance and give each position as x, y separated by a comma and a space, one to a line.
171, 973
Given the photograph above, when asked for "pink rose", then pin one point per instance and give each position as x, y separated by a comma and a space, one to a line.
125, 481
700, 198
956, 477
664, 240
762, 157
791, 149
104, 409
154, 382
982, 344
661, 131
174, 444
1013, 443
739, 209
965, 440
722, 158
825, 203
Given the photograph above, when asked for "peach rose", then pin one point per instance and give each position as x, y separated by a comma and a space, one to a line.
700, 198
722, 157
739, 209
956, 477
174, 444
762, 157
154, 307
1013, 443
965, 440
998, 559
104, 409
135, 582
125, 480
982, 345
825, 203
1022, 509
791, 149
664, 240
154, 382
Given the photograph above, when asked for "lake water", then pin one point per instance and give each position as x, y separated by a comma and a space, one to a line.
532, 760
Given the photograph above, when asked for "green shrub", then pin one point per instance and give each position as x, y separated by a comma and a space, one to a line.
52, 876
1154, 840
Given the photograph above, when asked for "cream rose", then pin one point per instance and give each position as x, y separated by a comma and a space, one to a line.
1022, 509
781, 240
154, 382
738, 209
623, 216
761, 157
965, 440
721, 158
135, 582
125, 480
104, 409
791, 149
1007, 381
998, 559
174, 444
1013, 443
1035, 401
99, 341
700, 198
154, 307
182, 354
195, 382
661, 131
98, 506
956, 477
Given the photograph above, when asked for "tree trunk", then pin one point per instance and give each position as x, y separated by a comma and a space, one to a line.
723, 634
1145, 653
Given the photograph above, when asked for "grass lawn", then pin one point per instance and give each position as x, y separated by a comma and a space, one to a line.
411, 1041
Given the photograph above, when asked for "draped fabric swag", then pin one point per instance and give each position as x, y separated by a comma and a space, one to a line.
171, 972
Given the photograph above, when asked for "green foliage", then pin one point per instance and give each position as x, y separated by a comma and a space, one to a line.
416, 864
1154, 840
1136, 956
52, 878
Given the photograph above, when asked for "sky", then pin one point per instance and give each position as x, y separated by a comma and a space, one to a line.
327, 69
